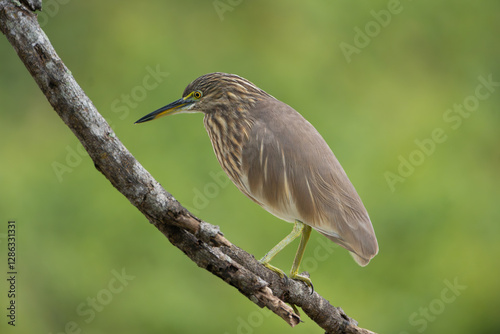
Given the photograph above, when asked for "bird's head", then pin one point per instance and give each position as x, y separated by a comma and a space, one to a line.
227, 93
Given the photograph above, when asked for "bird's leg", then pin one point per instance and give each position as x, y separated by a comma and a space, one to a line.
297, 230
294, 272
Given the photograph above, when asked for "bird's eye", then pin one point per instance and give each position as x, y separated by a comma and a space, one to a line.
197, 94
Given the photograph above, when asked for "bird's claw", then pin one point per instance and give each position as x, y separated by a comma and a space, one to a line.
295, 276
278, 271
304, 279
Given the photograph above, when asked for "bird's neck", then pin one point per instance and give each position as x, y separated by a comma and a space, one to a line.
228, 132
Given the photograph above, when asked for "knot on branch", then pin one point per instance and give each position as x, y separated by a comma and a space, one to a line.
207, 232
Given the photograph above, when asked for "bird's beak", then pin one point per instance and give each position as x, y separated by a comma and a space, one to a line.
172, 108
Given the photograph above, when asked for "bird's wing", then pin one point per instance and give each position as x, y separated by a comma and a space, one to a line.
293, 174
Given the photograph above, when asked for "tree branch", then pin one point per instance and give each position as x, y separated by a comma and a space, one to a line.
201, 242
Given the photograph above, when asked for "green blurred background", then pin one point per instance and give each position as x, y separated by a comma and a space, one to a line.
437, 223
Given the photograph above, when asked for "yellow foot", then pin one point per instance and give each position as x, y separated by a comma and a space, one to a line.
278, 271
293, 275
304, 279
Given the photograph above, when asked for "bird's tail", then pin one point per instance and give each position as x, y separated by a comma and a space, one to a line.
360, 260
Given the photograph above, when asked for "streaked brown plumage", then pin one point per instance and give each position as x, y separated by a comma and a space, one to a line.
279, 160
